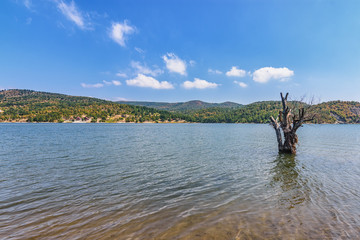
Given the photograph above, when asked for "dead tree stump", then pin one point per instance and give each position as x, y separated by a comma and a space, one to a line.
288, 123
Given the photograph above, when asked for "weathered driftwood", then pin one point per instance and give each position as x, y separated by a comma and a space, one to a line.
289, 123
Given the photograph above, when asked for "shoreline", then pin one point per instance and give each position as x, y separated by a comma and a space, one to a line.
20, 122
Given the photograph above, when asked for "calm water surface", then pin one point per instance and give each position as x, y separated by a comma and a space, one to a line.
177, 181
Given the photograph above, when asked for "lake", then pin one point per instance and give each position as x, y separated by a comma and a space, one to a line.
177, 181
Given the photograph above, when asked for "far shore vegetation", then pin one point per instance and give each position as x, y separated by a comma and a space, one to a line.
32, 106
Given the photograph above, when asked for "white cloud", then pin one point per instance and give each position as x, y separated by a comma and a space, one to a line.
123, 75
148, 82
120, 31
214, 71
71, 12
113, 82
96, 85
139, 50
100, 85
235, 72
116, 83
28, 4
199, 84
265, 74
241, 84
107, 83
174, 63
120, 99
192, 63
143, 69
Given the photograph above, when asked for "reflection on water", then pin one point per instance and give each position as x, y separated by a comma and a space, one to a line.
287, 174
177, 181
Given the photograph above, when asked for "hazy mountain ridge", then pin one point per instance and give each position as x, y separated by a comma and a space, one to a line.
260, 112
182, 106
33, 106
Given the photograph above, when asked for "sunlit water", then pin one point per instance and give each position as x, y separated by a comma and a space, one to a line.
177, 181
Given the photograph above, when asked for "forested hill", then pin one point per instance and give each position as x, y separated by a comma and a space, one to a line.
32, 106
183, 106
260, 112
337, 112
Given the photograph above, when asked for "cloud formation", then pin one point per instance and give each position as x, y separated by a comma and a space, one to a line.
28, 4
113, 82
174, 63
241, 84
96, 85
120, 74
263, 75
100, 85
148, 82
116, 83
235, 72
214, 71
199, 84
143, 69
119, 99
71, 12
139, 50
120, 31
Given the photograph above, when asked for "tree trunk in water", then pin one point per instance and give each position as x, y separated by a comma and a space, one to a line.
289, 124
289, 145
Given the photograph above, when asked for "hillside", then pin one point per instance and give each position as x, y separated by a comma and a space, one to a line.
337, 112
260, 112
32, 106
183, 106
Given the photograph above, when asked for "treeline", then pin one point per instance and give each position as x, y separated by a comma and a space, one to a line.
337, 112
259, 112
183, 106
32, 106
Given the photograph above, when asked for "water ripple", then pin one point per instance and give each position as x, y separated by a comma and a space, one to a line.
177, 181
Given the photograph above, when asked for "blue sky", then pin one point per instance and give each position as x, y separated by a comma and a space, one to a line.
215, 51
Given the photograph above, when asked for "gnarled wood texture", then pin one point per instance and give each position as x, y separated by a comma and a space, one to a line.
289, 123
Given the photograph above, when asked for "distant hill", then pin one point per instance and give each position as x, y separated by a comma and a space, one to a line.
183, 106
260, 112
32, 106
337, 112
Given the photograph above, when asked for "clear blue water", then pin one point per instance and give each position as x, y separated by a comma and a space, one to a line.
177, 181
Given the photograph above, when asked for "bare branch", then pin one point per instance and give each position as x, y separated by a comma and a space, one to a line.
283, 100
274, 123
288, 123
276, 126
